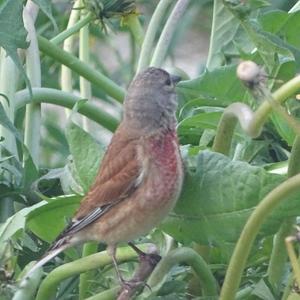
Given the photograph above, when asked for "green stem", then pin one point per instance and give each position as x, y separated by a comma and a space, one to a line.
72, 29
8, 85
294, 160
86, 278
211, 50
293, 257
84, 56
250, 231
232, 114
48, 287
95, 77
180, 256
28, 288
133, 23
279, 254
153, 27
66, 73
167, 33
33, 65
57, 97
251, 123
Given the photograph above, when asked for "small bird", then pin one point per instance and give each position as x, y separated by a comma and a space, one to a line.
141, 175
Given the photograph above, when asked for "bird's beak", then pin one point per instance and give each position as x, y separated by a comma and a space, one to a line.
175, 79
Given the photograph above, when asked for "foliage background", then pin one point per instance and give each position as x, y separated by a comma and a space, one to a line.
220, 191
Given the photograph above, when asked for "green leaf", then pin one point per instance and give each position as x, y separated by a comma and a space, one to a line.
12, 32
45, 6
285, 25
48, 220
86, 153
262, 291
218, 198
202, 120
6, 122
14, 225
30, 171
219, 85
225, 28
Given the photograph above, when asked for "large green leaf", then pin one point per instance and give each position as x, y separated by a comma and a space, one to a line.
48, 220
218, 198
219, 85
86, 154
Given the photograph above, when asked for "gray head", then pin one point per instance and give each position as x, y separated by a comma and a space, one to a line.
151, 101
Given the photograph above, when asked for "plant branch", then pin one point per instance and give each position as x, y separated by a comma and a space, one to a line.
33, 66
167, 33
187, 256
279, 254
154, 25
66, 73
84, 56
69, 60
50, 283
251, 122
74, 28
68, 100
250, 231
133, 23
232, 114
87, 277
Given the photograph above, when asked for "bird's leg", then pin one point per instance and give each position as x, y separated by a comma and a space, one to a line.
124, 283
151, 258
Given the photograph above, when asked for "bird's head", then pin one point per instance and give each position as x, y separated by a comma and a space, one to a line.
151, 100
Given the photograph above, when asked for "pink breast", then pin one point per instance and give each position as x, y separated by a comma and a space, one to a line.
166, 158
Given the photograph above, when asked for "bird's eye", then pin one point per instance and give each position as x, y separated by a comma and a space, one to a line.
168, 81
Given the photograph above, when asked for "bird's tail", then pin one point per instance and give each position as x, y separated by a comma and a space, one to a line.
59, 246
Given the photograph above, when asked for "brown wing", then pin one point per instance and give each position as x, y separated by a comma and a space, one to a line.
117, 176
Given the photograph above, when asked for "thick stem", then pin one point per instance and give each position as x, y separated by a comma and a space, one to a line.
293, 257
87, 277
8, 85
33, 66
180, 256
66, 73
251, 123
250, 231
106, 84
84, 56
133, 23
28, 288
57, 97
154, 25
72, 27
234, 112
48, 287
167, 33
279, 254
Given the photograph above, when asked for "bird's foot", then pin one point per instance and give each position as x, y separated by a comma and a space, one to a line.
150, 258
